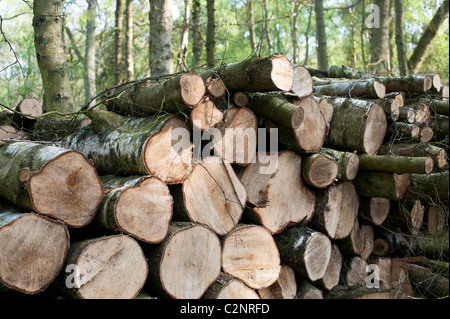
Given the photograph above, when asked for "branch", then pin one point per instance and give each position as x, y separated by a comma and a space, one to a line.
11, 49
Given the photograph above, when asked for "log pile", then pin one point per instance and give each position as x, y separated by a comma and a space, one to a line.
182, 188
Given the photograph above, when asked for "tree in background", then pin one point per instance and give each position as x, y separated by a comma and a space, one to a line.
210, 34
89, 56
379, 44
321, 36
118, 63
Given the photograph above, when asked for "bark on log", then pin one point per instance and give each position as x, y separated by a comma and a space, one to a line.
358, 292
408, 83
427, 283
445, 93
33, 249
271, 206
406, 114
284, 288
336, 210
382, 184
406, 216
110, 267
437, 219
251, 255
302, 82
319, 170
305, 250
158, 146
138, 206
430, 187
211, 195
430, 246
272, 73
373, 210
353, 244
363, 89
395, 164
348, 163
308, 291
404, 132
356, 127
52, 181
229, 287
167, 95
436, 266
440, 126
436, 106
186, 263
332, 275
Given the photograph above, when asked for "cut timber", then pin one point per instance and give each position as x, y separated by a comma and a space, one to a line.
251, 255
326, 108
391, 108
319, 170
407, 216
364, 89
368, 235
307, 291
211, 195
358, 292
138, 206
440, 126
240, 99
307, 251
271, 205
431, 187
284, 288
229, 287
427, 283
10, 132
33, 249
215, 88
410, 83
373, 210
348, 163
445, 94
402, 131
406, 114
186, 263
436, 266
53, 181
382, 184
30, 108
431, 246
336, 210
437, 219
110, 267
158, 146
167, 95
237, 140
332, 275
353, 244
354, 271
395, 164
302, 84
384, 272
437, 82
205, 115
356, 128
272, 73
438, 154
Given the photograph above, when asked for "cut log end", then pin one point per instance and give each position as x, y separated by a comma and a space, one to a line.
379, 209
282, 73
193, 88
402, 182
284, 288
206, 115
321, 172
10, 132
374, 129
332, 274
215, 87
380, 89
426, 134
445, 93
172, 165
437, 82
32, 253
303, 84
427, 83
352, 166
67, 188
317, 256
240, 99
30, 107
297, 118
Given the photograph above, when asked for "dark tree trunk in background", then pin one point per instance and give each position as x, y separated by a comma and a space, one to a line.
399, 41
379, 50
210, 34
251, 25
129, 62
321, 35
197, 42
118, 76
89, 56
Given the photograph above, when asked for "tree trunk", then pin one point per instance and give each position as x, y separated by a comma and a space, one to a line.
284, 288
321, 35
367, 89
210, 34
395, 164
306, 251
49, 180
348, 163
382, 184
307, 291
373, 210
336, 210
118, 50
270, 205
331, 277
136, 146
420, 51
109, 267
172, 95
401, 51
138, 206
182, 54
89, 55
440, 126
379, 50
356, 128
251, 255
197, 42
129, 35
402, 132
215, 88
161, 55
47, 24
251, 26
228, 287
240, 99
407, 114
211, 195
30, 242
426, 283
319, 170
272, 73
186, 263
430, 246
294, 6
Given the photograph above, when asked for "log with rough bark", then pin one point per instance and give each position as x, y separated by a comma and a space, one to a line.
409, 83
356, 127
360, 242
373, 210
50, 180
406, 114
251, 255
306, 290
211, 195
438, 154
358, 292
426, 283
404, 132
395, 164
164, 95
205, 115
229, 287
332, 274
364, 89
440, 127
431, 246
431, 187
109, 267
382, 184
302, 83
348, 163
185, 264
271, 73
284, 288
117, 145
33, 249
237, 136
437, 219
302, 119
270, 205
305, 250
336, 210
406, 216
135, 205
319, 170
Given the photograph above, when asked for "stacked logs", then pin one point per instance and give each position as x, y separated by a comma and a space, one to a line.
175, 190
